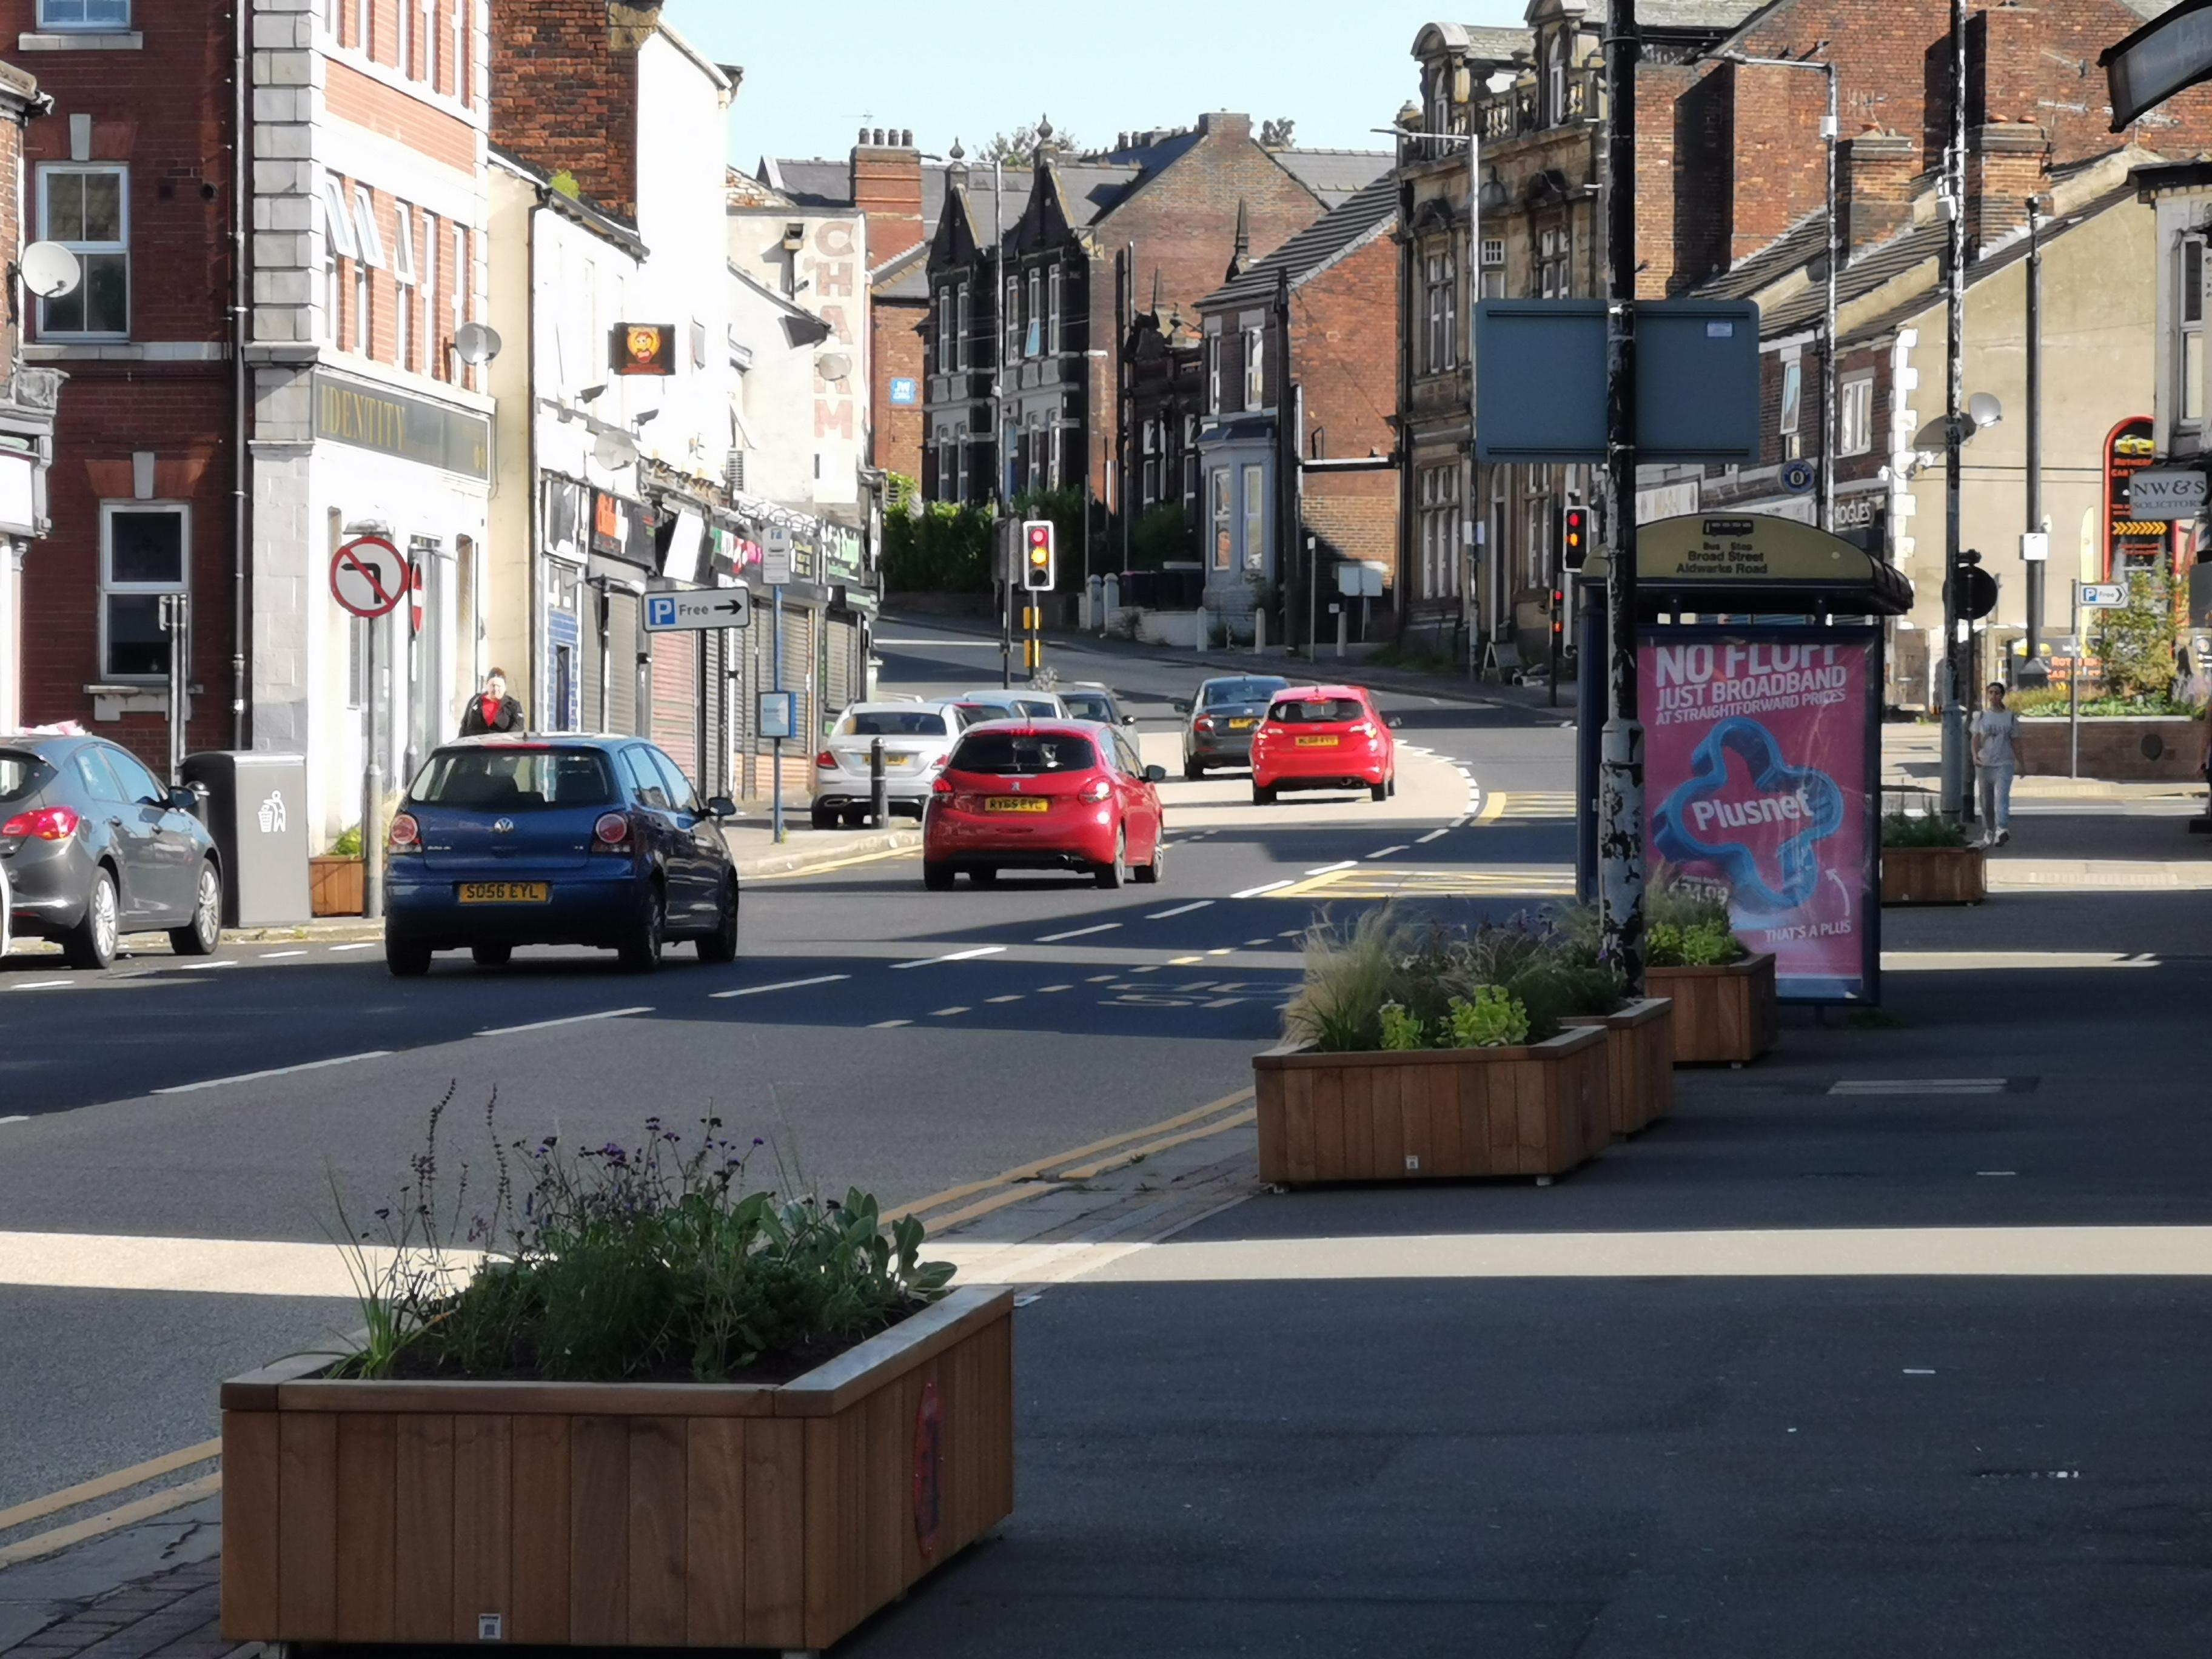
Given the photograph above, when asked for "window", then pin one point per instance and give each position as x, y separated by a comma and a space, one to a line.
86, 210
1555, 264
1255, 517
1052, 312
1151, 482
430, 43
1439, 502
464, 280
1189, 462
1440, 339
681, 795
1255, 369
406, 42
1213, 374
2191, 311
403, 273
363, 18
1855, 416
362, 298
1793, 389
960, 327
516, 779
1033, 336
1221, 532
138, 785
371, 240
1558, 102
1493, 267
1012, 324
141, 559
944, 330
84, 14
433, 359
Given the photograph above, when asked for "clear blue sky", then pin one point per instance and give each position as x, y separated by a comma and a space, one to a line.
816, 72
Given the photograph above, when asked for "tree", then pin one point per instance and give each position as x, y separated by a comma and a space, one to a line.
2136, 642
1023, 141
1277, 134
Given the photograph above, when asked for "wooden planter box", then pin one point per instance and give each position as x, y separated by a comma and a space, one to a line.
1723, 1016
1934, 875
1639, 1061
1433, 1115
334, 886
619, 1515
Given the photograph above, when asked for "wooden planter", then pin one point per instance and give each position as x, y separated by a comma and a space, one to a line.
1934, 875
1639, 1061
334, 886
1433, 1115
1723, 1016
619, 1515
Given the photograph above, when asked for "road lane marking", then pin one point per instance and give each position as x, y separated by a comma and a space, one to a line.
1221, 950
274, 1071
366, 945
216, 962
956, 956
1017, 997
18, 1118
837, 864
1433, 835
1222, 1002
1102, 979
278, 956
1132, 1154
45, 985
108, 1484
1919, 1085
1185, 961
1331, 869
890, 1025
1462, 823
1257, 892
947, 1013
572, 1019
1494, 808
787, 985
1078, 932
47, 1543
1386, 852
1179, 910
1047, 990
1378, 881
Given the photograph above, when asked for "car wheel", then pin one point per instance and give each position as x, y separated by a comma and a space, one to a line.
203, 933
1379, 791
822, 818
92, 942
1262, 795
405, 960
492, 956
1114, 874
937, 875
984, 875
1390, 784
1192, 771
1150, 874
855, 817
640, 952
722, 944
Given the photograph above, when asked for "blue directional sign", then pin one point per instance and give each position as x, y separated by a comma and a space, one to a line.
710, 608
2104, 596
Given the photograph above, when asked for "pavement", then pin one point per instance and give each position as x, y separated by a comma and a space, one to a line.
1890, 1344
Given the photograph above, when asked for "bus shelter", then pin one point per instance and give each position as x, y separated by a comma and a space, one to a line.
1761, 672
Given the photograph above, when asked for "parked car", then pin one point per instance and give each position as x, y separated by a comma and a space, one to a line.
1044, 795
916, 738
1223, 716
1019, 702
598, 841
96, 847
1323, 737
1087, 700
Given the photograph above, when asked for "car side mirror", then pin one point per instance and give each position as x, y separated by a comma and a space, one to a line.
1156, 775
1395, 721
721, 806
184, 799
1180, 706
1129, 719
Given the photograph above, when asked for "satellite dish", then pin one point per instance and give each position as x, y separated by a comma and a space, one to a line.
1984, 410
833, 365
614, 451
49, 270
473, 342
1934, 435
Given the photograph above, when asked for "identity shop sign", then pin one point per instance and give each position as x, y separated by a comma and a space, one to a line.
394, 423
1759, 780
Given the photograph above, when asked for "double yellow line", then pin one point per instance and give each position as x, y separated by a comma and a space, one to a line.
91, 1491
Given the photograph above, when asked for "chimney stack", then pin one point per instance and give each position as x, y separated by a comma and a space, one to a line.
2006, 164
886, 171
1873, 189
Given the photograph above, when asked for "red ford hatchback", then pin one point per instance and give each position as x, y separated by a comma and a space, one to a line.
1323, 737
1043, 795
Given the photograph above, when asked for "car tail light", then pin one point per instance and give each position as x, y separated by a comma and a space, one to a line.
1362, 729
938, 765
1204, 722
826, 761
405, 836
1094, 792
611, 832
45, 823
942, 786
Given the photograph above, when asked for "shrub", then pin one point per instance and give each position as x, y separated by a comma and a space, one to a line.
1161, 536
1700, 945
1494, 1019
1400, 1030
2136, 642
2052, 703
943, 548
1922, 829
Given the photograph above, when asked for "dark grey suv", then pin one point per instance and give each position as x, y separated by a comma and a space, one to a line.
1222, 719
95, 847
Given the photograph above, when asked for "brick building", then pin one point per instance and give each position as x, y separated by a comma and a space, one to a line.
1164, 366
28, 398
1299, 351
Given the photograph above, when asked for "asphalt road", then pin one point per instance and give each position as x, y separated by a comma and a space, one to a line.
873, 1034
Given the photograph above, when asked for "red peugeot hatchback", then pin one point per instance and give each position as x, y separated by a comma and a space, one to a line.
1323, 737
1044, 795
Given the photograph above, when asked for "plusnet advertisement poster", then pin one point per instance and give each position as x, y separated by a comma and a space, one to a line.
1758, 779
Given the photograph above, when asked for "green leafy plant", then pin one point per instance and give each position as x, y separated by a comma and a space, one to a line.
612, 1263
1922, 829
1350, 973
1494, 1018
347, 845
1162, 535
1700, 945
2134, 642
1402, 1032
2053, 702
942, 548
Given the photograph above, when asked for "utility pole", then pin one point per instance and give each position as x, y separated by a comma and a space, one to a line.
1953, 797
1620, 792
2032, 671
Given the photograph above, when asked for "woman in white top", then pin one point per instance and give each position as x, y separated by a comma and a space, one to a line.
1995, 730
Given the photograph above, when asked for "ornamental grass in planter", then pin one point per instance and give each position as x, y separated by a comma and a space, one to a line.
1927, 859
1726, 1010
1417, 1053
630, 1402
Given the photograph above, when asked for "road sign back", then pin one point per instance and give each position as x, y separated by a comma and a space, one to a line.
367, 576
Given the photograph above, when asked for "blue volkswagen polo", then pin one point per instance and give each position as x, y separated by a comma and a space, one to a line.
596, 841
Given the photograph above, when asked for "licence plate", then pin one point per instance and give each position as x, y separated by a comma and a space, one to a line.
1316, 743
506, 892
1016, 804
1242, 725
898, 760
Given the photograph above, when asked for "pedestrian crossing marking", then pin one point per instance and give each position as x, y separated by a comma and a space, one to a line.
1382, 881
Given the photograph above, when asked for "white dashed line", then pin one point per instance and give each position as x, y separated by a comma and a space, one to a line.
279, 1071
890, 1025
215, 962
787, 985
45, 985
1102, 979
1179, 910
1386, 852
366, 945
279, 955
1047, 990
18, 1118
1226, 949
1462, 823
1015, 998
1078, 932
1224, 1002
947, 1013
572, 1019
957, 956
1433, 835
1256, 893
1331, 869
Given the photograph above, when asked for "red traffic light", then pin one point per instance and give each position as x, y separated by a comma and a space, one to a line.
1574, 536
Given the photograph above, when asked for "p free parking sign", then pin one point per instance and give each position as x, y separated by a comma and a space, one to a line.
678, 613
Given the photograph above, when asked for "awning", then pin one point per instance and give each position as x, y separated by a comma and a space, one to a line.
1713, 562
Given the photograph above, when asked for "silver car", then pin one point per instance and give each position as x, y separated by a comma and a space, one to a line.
916, 738
1019, 702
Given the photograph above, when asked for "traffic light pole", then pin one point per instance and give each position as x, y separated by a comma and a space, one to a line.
1952, 800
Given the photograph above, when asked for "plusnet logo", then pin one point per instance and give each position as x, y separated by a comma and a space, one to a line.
1795, 807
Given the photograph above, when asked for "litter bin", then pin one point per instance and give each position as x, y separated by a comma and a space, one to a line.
257, 810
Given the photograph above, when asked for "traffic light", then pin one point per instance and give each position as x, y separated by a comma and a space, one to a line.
1037, 556
1559, 615
1574, 538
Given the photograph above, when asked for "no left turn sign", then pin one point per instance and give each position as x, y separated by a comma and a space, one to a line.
368, 577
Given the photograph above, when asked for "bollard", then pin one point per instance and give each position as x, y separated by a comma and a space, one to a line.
880, 811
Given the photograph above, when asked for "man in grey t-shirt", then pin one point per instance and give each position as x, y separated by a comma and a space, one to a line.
1995, 732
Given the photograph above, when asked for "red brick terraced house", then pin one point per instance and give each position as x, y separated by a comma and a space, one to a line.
27, 396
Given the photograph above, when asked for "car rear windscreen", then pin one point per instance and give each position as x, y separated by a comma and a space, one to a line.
1252, 690
892, 723
1087, 707
1317, 711
514, 780
1022, 754
21, 776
